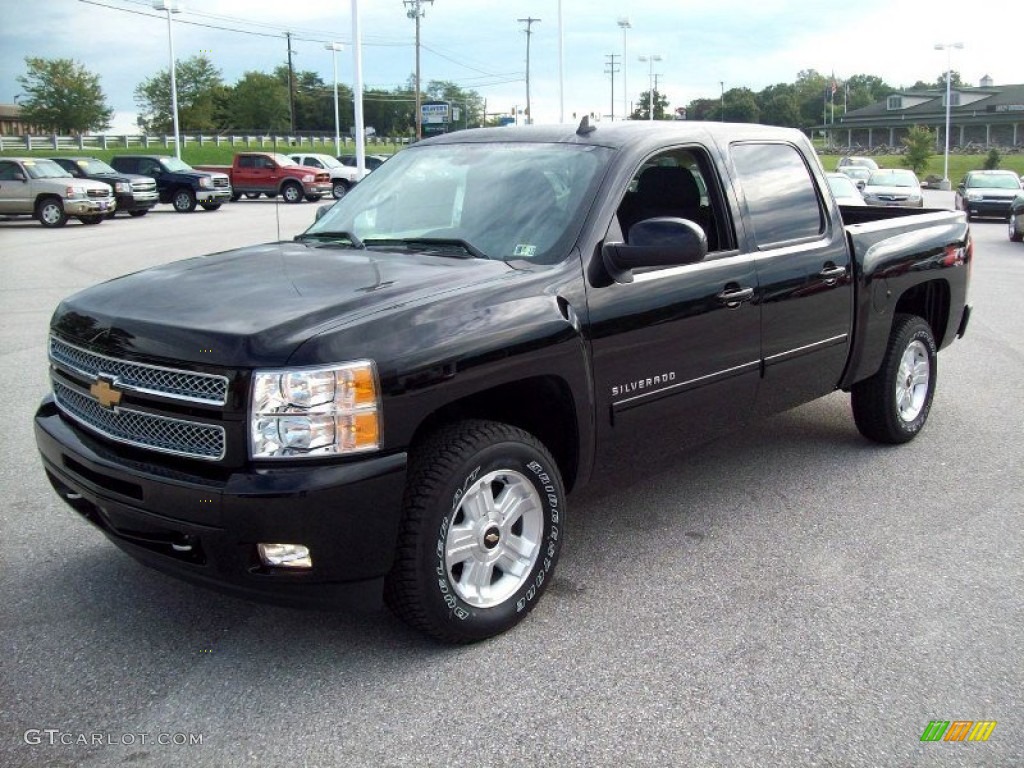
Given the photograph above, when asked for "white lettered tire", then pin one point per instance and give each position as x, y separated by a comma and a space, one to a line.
482, 530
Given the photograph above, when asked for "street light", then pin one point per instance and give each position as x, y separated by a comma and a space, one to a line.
624, 24
651, 58
947, 47
169, 7
334, 48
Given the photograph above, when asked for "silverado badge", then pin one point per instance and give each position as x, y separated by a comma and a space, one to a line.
105, 394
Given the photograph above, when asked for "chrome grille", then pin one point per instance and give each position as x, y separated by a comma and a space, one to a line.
93, 192
143, 186
143, 430
220, 182
152, 379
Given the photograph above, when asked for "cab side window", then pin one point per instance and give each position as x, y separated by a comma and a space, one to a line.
678, 183
9, 170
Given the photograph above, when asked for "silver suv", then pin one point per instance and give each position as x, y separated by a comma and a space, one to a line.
40, 188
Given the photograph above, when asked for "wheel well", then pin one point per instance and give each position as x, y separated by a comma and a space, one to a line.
929, 301
542, 406
43, 198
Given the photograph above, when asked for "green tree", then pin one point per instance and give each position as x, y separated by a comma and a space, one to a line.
940, 82
993, 159
469, 103
259, 102
704, 109
643, 107
920, 143
863, 90
63, 96
201, 97
741, 106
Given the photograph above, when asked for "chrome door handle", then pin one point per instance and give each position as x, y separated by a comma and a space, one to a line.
831, 274
733, 297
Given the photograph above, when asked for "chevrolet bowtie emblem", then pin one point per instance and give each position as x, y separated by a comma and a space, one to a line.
105, 394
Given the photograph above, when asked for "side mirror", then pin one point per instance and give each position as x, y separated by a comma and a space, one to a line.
19, 176
664, 241
861, 183
321, 210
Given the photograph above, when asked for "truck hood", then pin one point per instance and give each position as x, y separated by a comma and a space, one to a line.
255, 306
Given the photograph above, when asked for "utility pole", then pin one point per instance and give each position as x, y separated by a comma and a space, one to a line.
529, 21
415, 11
611, 69
291, 82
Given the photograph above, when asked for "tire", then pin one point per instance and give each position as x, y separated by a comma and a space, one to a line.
339, 190
463, 572
138, 214
893, 405
1015, 236
210, 206
312, 198
91, 219
50, 212
236, 196
184, 200
253, 195
292, 192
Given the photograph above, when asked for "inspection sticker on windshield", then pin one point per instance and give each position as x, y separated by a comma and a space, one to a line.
525, 251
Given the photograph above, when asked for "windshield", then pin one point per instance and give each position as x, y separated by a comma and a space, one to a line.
842, 187
503, 201
174, 165
45, 169
893, 179
94, 167
994, 181
328, 161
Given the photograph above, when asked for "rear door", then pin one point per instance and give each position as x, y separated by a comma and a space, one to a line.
14, 192
804, 273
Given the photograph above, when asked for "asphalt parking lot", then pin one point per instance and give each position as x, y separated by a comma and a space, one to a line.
788, 596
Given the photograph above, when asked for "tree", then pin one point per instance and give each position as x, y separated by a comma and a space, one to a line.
782, 109
704, 109
470, 103
63, 96
940, 82
201, 97
919, 142
741, 106
643, 107
259, 101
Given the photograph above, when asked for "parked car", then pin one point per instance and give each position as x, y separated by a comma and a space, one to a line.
1017, 218
343, 177
396, 403
135, 193
844, 189
40, 188
273, 174
894, 187
859, 173
177, 182
987, 193
372, 162
863, 162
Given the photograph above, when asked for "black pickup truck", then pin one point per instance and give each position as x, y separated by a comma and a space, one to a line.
397, 402
178, 183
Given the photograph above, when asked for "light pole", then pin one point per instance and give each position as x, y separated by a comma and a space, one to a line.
624, 24
529, 22
722, 84
169, 7
357, 90
948, 48
651, 58
334, 48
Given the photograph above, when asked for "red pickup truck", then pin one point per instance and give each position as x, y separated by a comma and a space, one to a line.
272, 174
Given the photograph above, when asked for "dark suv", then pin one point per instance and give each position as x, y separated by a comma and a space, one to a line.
987, 193
177, 182
135, 194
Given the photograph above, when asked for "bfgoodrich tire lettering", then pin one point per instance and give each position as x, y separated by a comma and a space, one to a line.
893, 405
481, 534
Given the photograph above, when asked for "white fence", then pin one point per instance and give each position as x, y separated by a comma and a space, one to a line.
106, 141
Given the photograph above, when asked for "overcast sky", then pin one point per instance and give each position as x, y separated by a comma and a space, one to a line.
480, 44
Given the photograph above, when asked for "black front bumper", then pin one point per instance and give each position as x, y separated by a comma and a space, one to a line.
206, 530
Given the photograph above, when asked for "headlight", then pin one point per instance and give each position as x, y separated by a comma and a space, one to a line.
206, 182
974, 196
914, 198
315, 411
124, 187
308, 178
73, 192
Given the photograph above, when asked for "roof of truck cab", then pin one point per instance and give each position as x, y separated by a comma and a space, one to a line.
621, 134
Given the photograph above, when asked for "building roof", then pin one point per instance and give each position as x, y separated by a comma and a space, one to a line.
1003, 103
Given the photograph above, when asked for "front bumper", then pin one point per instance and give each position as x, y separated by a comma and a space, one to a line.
995, 208
205, 530
87, 207
218, 195
319, 188
137, 201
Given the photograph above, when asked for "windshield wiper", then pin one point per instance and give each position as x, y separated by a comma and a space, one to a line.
333, 236
433, 244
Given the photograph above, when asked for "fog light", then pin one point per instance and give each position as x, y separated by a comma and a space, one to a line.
285, 555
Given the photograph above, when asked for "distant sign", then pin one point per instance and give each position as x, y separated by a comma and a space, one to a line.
435, 112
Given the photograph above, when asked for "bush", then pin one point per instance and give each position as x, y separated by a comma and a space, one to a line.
993, 160
919, 142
